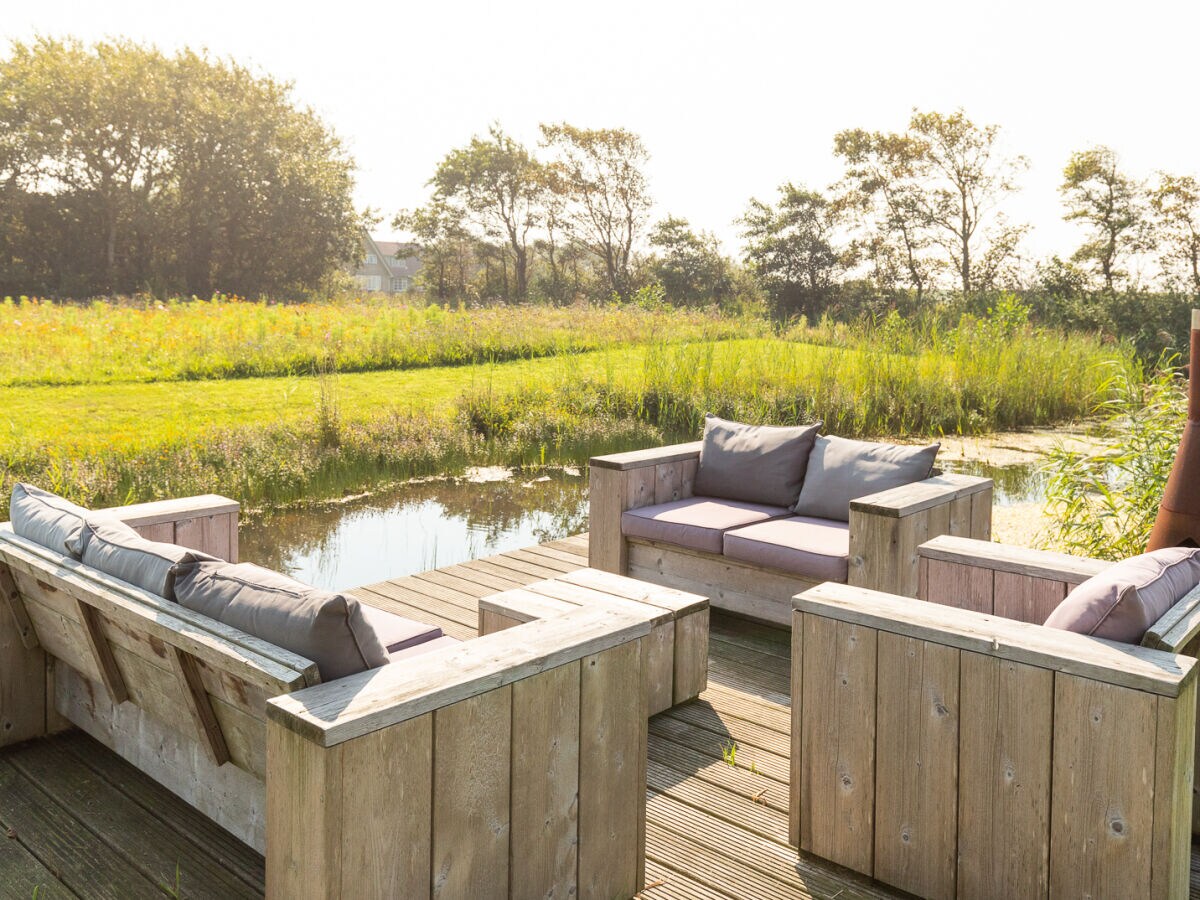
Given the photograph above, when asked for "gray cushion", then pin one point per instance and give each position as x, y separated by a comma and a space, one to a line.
396, 632
43, 517
697, 522
841, 470
117, 550
818, 549
1123, 601
753, 463
330, 629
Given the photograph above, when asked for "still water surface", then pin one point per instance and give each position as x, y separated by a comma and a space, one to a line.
440, 522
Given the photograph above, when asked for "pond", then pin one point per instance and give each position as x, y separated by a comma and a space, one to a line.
436, 522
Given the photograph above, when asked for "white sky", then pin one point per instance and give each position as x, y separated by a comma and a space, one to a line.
731, 99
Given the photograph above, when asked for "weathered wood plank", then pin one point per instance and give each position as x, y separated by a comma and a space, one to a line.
964, 587
545, 784
1004, 773
198, 706
1018, 560
606, 493
649, 457
916, 777
1025, 598
1176, 738
1103, 804
102, 654
471, 789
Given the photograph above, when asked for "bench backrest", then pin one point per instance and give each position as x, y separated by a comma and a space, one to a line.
207, 681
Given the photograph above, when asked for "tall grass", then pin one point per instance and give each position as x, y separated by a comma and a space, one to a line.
44, 343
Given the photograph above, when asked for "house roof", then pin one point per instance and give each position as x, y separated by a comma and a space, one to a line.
408, 263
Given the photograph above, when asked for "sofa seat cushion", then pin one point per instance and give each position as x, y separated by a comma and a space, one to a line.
329, 629
396, 632
115, 549
698, 523
44, 518
1124, 600
424, 647
818, 549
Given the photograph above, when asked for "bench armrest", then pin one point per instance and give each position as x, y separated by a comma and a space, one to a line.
887, 528
1014, 582
622, 481
208, 522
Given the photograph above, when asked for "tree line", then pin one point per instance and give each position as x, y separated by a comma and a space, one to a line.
126, 170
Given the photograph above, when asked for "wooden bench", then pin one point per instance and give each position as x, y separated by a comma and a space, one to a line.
677, 649
949, 750
538, 733
885, 531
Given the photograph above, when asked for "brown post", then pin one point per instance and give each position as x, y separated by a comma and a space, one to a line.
1178, 521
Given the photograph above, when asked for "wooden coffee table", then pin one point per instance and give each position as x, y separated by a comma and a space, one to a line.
677, 655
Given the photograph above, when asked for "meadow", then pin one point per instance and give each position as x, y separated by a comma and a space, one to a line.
608, 379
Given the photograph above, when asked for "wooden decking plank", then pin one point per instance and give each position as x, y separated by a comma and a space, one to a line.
22, 875
748, 757
413, 591
766, 638
739, 703
776, 863
548, 552
764, 685
520, 568
735, 779
82, 861
667, 884
228, 851
463, 581
487, 573
729, 650
663, 845
576, 543
429, 606
732, 808
121, 824
529, 555
724, 726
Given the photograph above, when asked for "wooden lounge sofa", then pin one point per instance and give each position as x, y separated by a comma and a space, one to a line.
509, 764
957, 747
877, 550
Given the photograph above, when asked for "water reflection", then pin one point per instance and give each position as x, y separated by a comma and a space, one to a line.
439, 522
418, 526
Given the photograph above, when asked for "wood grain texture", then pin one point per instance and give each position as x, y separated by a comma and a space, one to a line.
23, 696
1025, 598
951, 584
668, 482
1018, 560
691, 656
612, 789
199, 706
639, 487
651, 456
16, 609
544, 857
304, 817
1173, 784
471, 811
834, 786
1101, 831
916, 775
386, 798
102, 655
606, 502
1005, 730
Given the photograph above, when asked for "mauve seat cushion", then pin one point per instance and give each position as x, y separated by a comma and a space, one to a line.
1123, 601
813, 548
396, 632
424, 647
697, 522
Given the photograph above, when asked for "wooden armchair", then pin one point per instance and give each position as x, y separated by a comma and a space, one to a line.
951, 749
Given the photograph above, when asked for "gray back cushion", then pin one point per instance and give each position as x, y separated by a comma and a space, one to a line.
117, 550
753, 463
1123, 601
44, 518
327, 628
841, 470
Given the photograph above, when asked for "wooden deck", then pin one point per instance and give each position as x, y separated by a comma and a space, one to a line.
80, 822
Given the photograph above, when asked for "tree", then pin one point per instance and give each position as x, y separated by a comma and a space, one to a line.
790, 250
966, 183
882, 192
599, 171
446, 247
143, 171
1175, 204
1110, 204
496, 181
689, 266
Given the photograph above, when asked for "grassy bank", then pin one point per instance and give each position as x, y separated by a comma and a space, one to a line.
272, 440
45, 343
